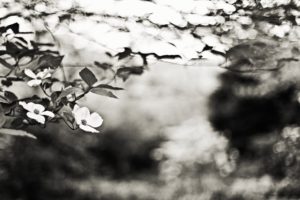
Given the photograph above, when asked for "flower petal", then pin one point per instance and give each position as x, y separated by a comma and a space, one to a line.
44, 74
88, 129
38, 107
94, 120
27, 106
76, 107
38, 118
48, 113
23, 104
48, 75
34, 82
81, 114
30, 73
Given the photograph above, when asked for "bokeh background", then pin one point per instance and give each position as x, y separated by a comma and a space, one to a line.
185, 129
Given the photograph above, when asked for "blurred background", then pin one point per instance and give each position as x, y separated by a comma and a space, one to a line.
184, 129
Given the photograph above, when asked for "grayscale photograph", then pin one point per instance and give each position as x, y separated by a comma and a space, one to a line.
149, 99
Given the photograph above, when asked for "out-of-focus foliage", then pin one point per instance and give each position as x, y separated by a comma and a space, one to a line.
130, 34
250, 149
24, 61
180, 32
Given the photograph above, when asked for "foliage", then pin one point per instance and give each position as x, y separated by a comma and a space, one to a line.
256, 107
203, 29
26, 62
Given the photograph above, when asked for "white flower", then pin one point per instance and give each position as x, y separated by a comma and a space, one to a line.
86, 121
36, 111
37, 78
7, 36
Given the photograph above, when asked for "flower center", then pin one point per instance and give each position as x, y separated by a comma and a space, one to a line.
84, 122
36, 111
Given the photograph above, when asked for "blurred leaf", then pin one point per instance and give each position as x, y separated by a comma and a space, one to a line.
21, 39
125, 72
207, 48
40, 61
218, 53
108, 54
17, 123
66, 113
50, 61
6, 64
47, 83
55, 95
64, 17
14, 27
103, 66
68, 91
88, 76
105, 86
158, 57
103, 92
6, 82
15, 132
3, 99
12, 49
127, 51
121, 55
31, 65
68, 116
10, 96
2, 117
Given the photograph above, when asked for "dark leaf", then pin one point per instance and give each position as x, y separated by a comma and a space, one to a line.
125, 72
17, 123
3, 99
127, 51
207, 47
21, 45
88, 76
21, 39
12, 49
50, 61
103, 92
218, 53
144, 56
68, 116
2, 117
105, 86
68, 91
47, 84
66, 113
36, 44
6, 82
108, 54
104, 66
167, 56
64, 17
14, 27
55, 95
45, 102
10, 96
5, 64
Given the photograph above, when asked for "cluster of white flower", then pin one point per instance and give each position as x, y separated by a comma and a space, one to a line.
36, 79
84, 119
